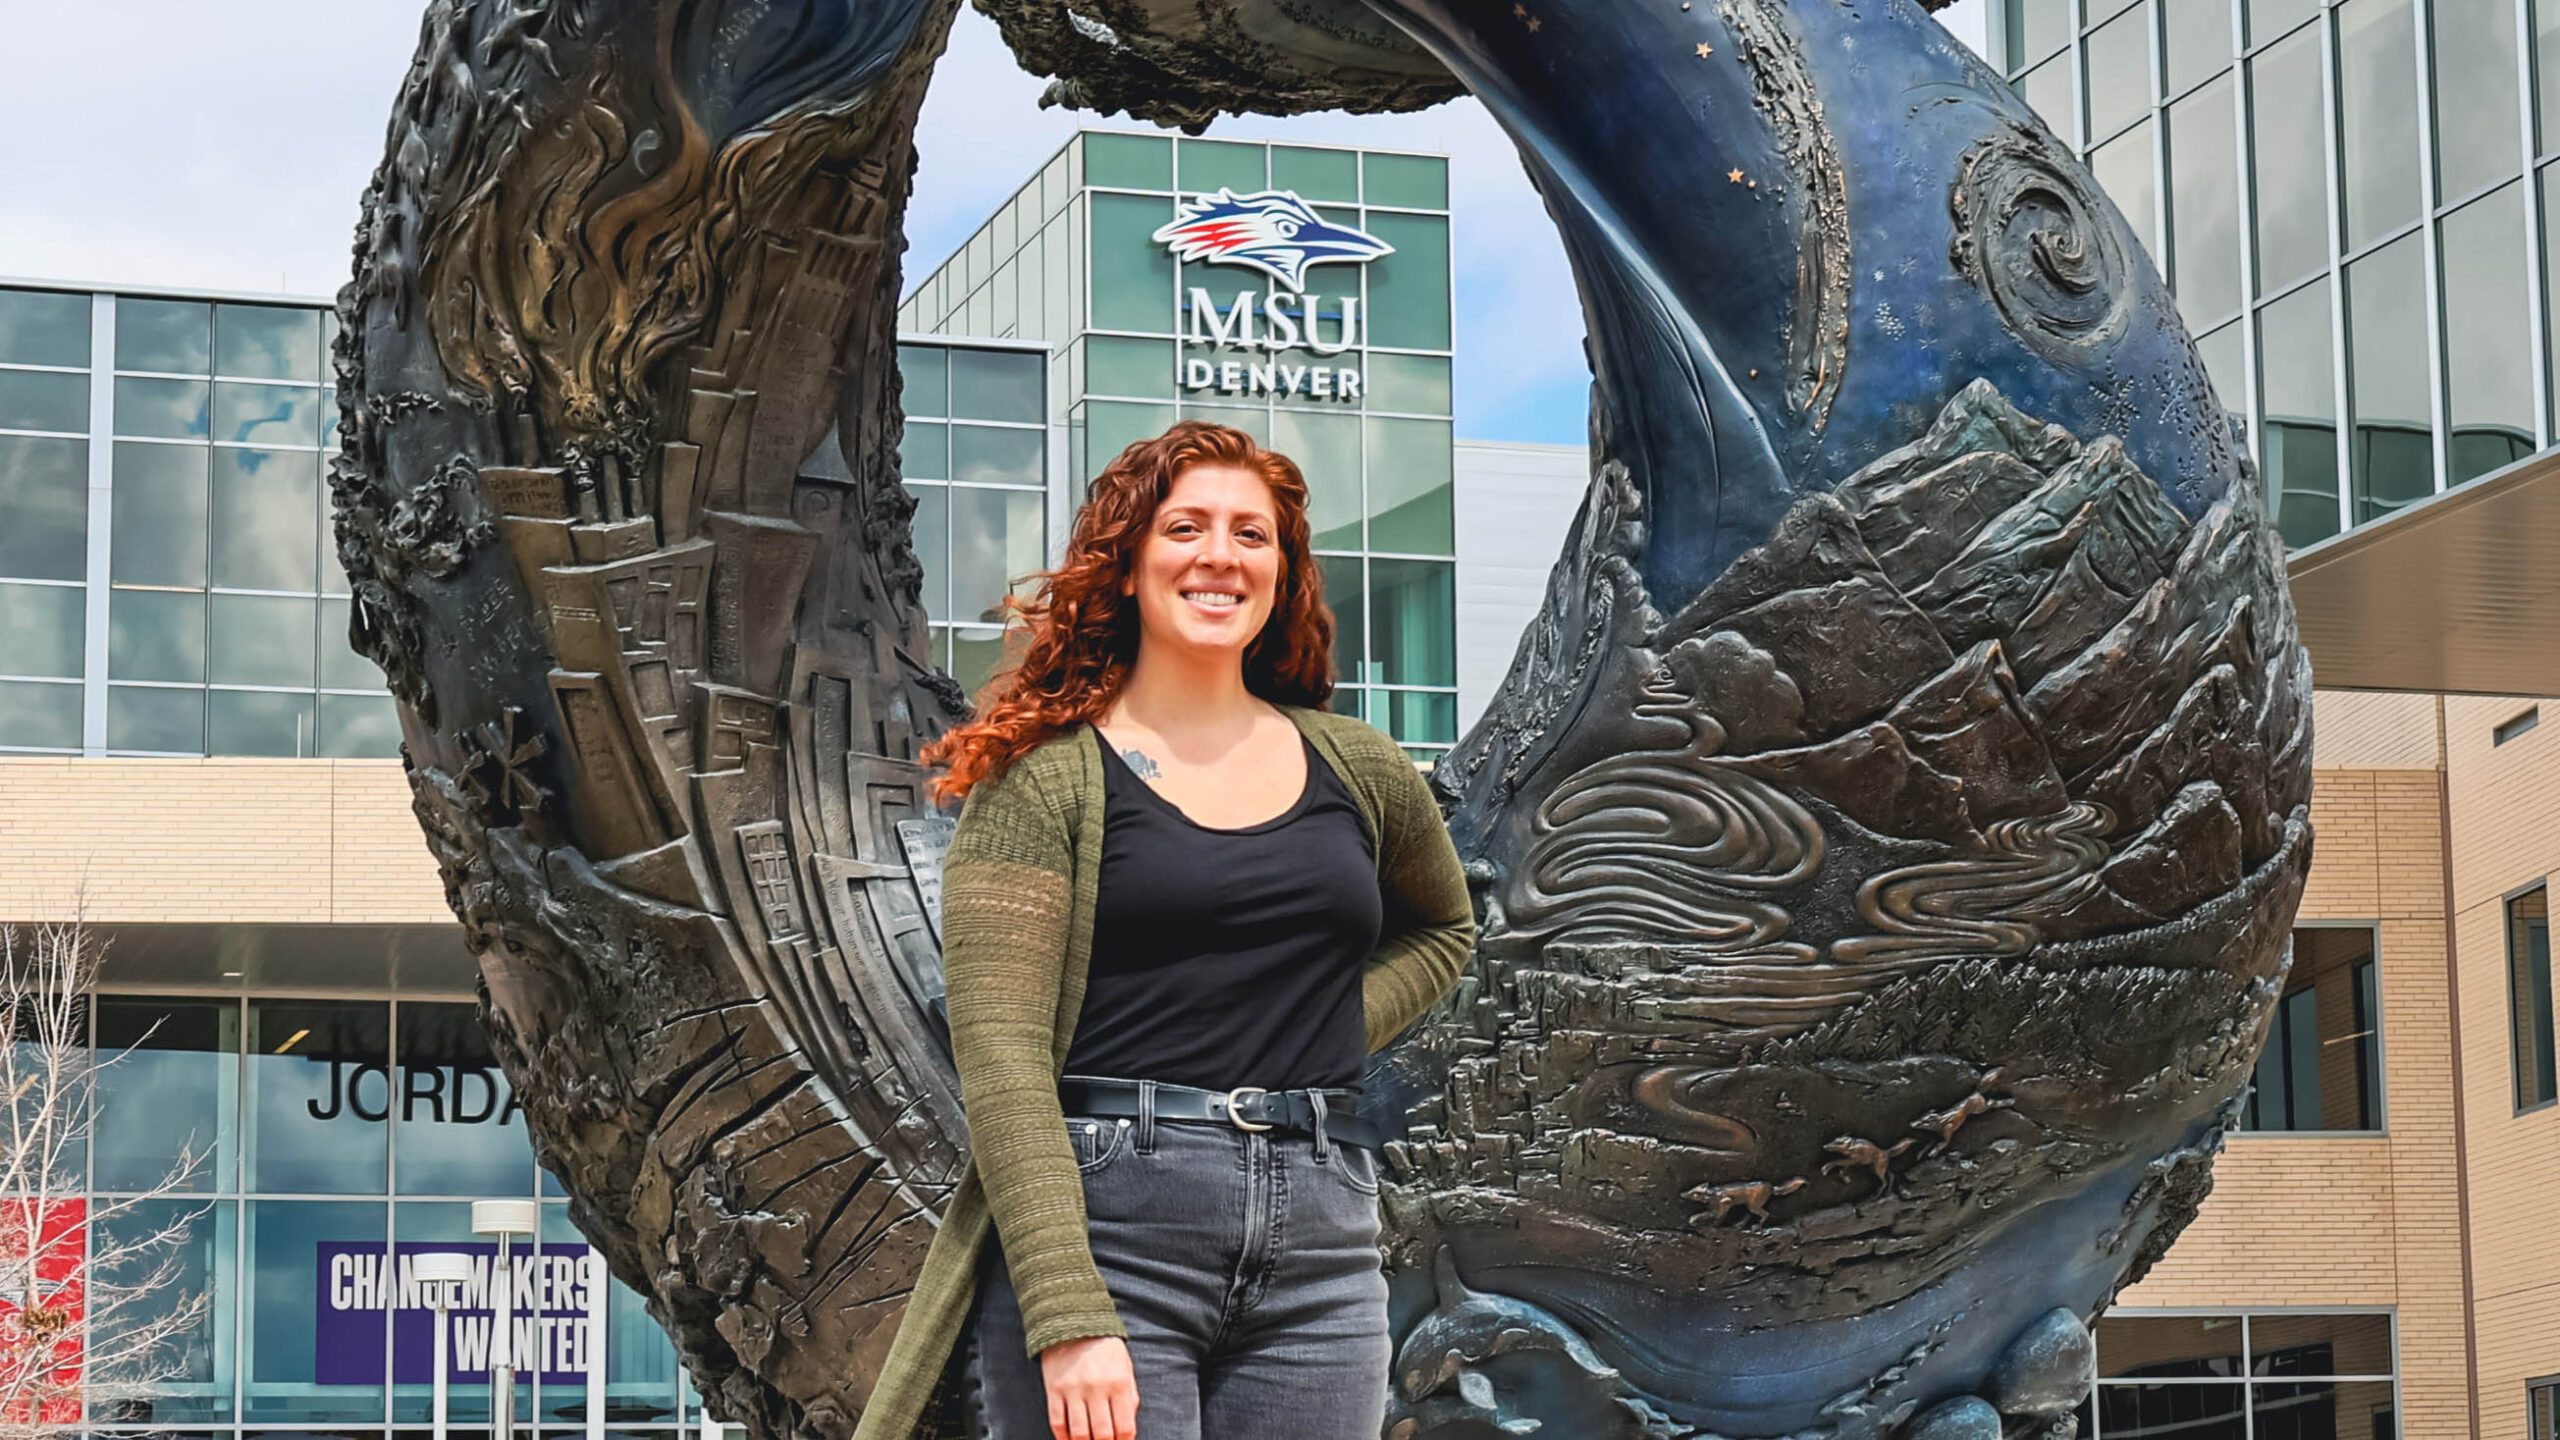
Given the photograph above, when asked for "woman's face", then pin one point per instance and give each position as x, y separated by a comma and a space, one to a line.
1208, 570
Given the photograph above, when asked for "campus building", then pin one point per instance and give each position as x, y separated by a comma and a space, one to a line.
2354, 204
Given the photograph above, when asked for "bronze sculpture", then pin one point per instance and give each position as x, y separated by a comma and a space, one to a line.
1886, 840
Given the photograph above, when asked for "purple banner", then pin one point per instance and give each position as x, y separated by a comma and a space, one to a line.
358, 1281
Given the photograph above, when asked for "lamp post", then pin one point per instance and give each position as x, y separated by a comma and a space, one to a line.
438, 1273
506, 1220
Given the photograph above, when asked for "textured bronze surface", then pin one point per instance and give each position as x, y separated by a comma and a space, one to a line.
1886, 838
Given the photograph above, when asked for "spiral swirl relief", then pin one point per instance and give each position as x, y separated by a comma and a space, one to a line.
2033, 232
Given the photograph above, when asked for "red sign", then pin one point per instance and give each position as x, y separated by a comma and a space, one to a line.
42, 1248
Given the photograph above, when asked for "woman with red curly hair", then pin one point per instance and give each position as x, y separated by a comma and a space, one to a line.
1183, 903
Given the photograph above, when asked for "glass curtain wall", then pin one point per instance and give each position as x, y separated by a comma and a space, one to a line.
336, 1136
1070, 260
976, 459
2350, 199
168, 579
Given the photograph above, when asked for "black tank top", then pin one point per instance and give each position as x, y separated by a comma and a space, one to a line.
1229, 957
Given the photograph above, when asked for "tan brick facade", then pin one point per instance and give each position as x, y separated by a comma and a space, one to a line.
287, 842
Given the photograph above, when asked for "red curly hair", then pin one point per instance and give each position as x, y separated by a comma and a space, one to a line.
1079, 635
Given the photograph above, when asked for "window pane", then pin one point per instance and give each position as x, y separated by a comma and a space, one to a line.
2322, 1068
319, 1096
2320, 1345
359, 727
2529, 998
266, 519
2033, 30
1415, 635
261, 640
2173, 1412
44, 327
266, 342
1409, 290
2047, 91
2204, 219
171, 1083
2546, 69
1118, 366
1416, 384
1422, 717
2475, 60
195, 1388
1416, 182
39, 716
1255, 422
2377, 95
164, 409
2393, 457
152, 718
1128, 162
430, 1228
1347, 597
2292, 177
155, 635
258, 722
925, 453
2169, 1347
460, 1130
1113, 426
265, 414
1316, 174
996, 384
42, 630
975, 654
931, 536
1410, 480
341, 668
2487, 331
44, 400
995, 540
2119, 72
924, 373
1132, 274
2198, 41
159, 535
998, 457
44, 508
2296, 386
2323, 1410
311, 1361
171, 336
2271, 18
640, 1375
1327, 449
2123, 169
1209, 165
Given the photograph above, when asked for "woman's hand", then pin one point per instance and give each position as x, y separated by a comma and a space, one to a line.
1093, 1391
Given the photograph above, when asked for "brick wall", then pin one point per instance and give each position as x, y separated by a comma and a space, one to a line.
2506, 828
2361, 1220
272, 841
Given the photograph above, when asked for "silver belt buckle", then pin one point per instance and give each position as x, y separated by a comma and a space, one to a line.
1236, 1115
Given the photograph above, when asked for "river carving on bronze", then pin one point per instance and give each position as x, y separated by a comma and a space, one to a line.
1886, 838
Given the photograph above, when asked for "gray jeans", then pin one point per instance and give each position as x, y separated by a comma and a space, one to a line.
1245, 1266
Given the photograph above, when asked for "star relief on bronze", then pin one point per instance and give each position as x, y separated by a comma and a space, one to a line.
498, 770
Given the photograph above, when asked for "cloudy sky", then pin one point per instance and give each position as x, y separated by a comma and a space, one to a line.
176, 143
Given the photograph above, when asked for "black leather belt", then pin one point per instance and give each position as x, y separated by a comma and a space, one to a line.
1247, 1107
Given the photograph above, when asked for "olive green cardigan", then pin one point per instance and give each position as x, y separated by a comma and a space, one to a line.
1018, 899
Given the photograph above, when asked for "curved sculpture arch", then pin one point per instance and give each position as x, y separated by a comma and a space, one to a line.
1886, 839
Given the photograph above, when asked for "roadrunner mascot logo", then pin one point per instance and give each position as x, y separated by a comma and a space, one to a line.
1273, 231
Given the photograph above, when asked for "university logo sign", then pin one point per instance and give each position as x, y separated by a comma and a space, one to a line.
1279, 234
